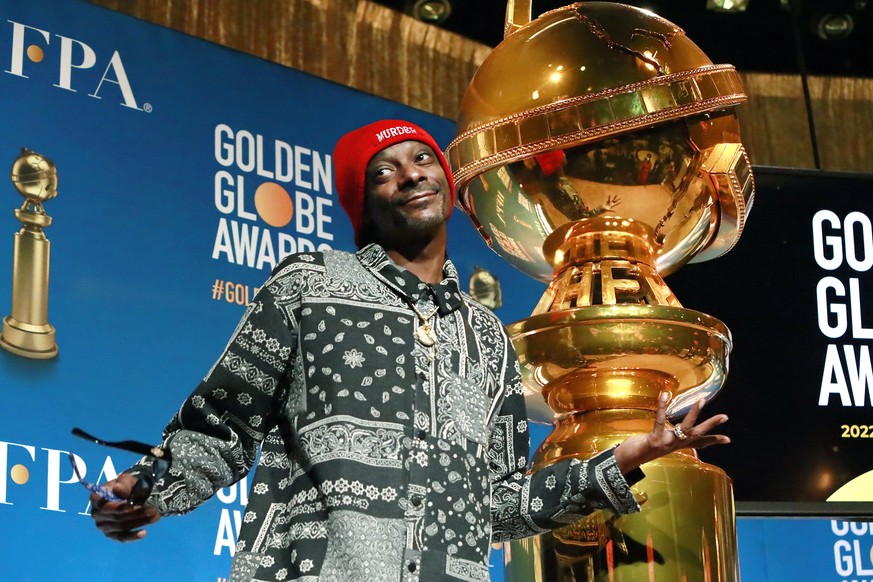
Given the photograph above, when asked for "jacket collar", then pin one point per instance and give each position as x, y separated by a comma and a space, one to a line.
446, 294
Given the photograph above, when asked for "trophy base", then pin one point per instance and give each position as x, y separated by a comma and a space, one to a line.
685, 531
36, 342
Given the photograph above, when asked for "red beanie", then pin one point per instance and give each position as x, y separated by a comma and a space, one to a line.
354, 151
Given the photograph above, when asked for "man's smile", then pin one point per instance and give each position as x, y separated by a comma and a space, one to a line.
420, 196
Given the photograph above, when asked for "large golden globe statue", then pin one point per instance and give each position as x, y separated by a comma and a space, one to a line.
598, 149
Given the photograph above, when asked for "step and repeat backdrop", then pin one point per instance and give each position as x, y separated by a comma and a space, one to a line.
168, 176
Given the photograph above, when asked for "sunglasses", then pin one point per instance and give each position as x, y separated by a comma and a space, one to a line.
144, 484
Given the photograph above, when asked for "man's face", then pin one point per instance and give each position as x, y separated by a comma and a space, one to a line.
407, 194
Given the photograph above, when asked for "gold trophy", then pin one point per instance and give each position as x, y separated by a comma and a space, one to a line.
27, 332
598, 150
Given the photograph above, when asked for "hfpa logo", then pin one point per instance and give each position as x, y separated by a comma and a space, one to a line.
31, 45
26, 471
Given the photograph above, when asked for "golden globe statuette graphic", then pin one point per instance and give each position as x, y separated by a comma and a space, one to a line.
598, 150
27, 332
485, 288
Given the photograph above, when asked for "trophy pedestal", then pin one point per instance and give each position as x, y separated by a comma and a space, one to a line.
685, 531
30, 341
600, 370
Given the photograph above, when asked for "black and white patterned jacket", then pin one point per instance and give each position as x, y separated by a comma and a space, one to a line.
380, 458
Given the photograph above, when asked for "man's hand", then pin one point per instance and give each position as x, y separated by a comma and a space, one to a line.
640, 449
120, 520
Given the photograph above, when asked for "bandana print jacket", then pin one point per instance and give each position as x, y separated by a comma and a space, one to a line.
380, 459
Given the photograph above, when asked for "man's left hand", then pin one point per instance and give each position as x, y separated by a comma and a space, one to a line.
640, 449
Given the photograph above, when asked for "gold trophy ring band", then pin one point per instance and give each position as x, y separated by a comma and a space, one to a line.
677, 430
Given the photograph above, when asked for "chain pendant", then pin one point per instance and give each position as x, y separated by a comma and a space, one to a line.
425, 335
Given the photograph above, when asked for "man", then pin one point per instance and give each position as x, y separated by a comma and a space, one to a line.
387, 404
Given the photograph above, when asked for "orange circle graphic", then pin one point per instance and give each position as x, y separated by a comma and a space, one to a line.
35, 54
20, 474
274, 204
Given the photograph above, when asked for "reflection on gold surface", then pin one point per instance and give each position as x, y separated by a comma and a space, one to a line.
610, 109
598, 150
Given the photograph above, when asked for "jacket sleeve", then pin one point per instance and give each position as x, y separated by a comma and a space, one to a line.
525, 504
215, 435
